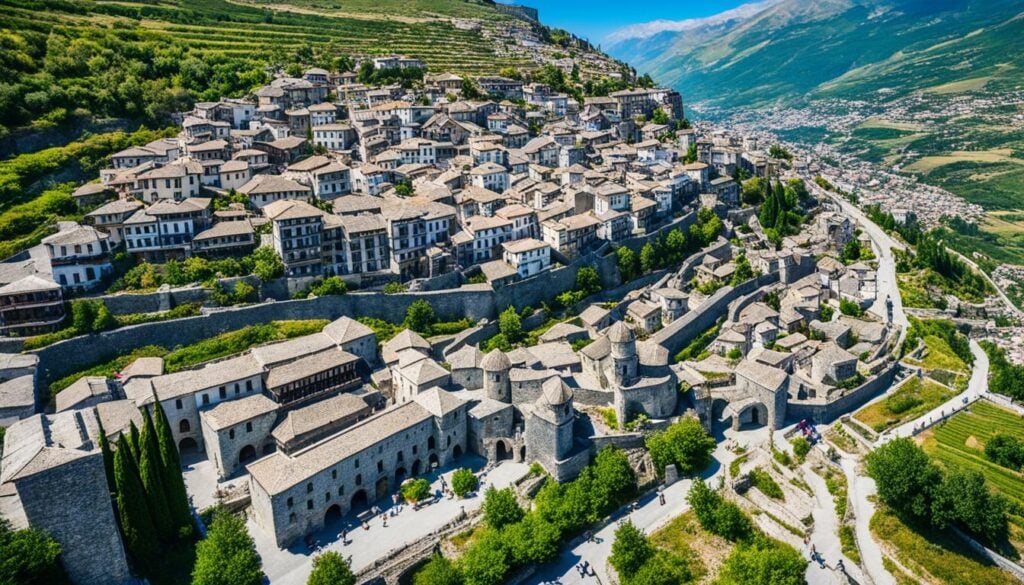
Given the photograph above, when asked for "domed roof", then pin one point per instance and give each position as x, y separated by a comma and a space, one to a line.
621, 333
495, 361
555, 392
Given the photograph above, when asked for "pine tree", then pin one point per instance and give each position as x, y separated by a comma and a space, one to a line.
151, 472
174, 483
136, 523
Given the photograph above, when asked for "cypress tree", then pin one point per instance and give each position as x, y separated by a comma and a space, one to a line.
174, 483
136, 523
108, 459
151, 472
133, 442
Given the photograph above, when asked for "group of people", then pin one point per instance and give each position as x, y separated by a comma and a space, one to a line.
817, 558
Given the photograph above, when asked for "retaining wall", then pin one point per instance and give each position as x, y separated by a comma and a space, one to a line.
826, 412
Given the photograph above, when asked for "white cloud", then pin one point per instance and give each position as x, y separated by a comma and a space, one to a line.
649, 29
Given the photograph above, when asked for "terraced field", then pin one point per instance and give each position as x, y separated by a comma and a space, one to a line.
914, 398
236, 30
961, 441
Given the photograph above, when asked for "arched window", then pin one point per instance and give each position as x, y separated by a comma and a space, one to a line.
184, 426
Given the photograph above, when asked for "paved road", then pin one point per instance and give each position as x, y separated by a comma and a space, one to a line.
825, 537
292, 566
860, 489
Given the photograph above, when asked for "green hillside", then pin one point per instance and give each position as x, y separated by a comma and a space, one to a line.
854, 49
143, 60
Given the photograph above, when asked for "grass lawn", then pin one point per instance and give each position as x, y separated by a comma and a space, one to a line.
946, 559
940, 356
961, 441
704, 552
912, 399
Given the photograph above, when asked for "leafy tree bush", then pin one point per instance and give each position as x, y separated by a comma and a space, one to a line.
419, 317
332, 285
267, 265
905, 476
685, 443
850, 308
533, 540
628, 263
438, 571
464, 481
486, 562
227, 556
510, 325
415, 490
718, 515
801, 447
29, 557
630, 551
330, 568
1005, 450
765, 561
501, 507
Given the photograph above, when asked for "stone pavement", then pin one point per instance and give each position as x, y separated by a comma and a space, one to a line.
860, 489
292, 566
825, 538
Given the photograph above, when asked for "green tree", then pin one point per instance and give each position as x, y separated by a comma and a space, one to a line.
267, 264
177, 496
588, 281
438, 571
744, 271
419, 317
227, 556
629, 551
510, 325
614, 480
244, 292
659, 116
851, 308
330, 568
464, 481
140, 537
963, 498
1005, 450
415, 490
905, 476
685, 444
486, 562
104, 320
501, 507
648, 258
801, 447
150, 471
765, 563
29, 557
83, 315
663, 568
851, 252
133, 441
676, 245
691, 154
108, 458
532, 540
628, 263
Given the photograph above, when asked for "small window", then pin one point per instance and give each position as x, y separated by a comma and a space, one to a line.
380, 466
290, 502
231, 434
248, 427
309, 488
206, 399
309, 504
178, 405
359, 479
334, 474
341, 490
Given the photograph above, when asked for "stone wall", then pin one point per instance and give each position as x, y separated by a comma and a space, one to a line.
623, 441
676, 335
823, 412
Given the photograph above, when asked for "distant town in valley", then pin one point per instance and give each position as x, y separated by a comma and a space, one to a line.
433, 293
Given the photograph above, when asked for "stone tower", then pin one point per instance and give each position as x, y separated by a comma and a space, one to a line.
496, 383
549, 433
624, 361
56, 471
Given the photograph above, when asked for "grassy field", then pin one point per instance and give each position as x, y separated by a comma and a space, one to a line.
928, 164
911, 400
704, 552
945, 559
961, 441
938, 355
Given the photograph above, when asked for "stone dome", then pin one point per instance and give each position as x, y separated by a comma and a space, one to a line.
621, 333
555, 392
496, 361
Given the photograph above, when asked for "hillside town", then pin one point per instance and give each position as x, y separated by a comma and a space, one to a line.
492, 277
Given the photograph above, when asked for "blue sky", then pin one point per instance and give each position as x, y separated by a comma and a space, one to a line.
595, 19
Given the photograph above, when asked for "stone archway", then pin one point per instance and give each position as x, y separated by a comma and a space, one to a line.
751, 414
333, 515
381, 488
400, 474
501, 451
522, 454
433, 460
417, 467
188, 446
246, 455
457, 451
359, 501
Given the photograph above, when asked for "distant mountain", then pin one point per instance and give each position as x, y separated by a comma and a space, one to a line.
786, 50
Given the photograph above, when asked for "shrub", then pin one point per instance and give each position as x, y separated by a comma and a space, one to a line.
685, 444
801, 447
464, 481
1005, 450
415, 490
438, 571
394, 287
763, 481
501, 507
718, 515
630, 551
